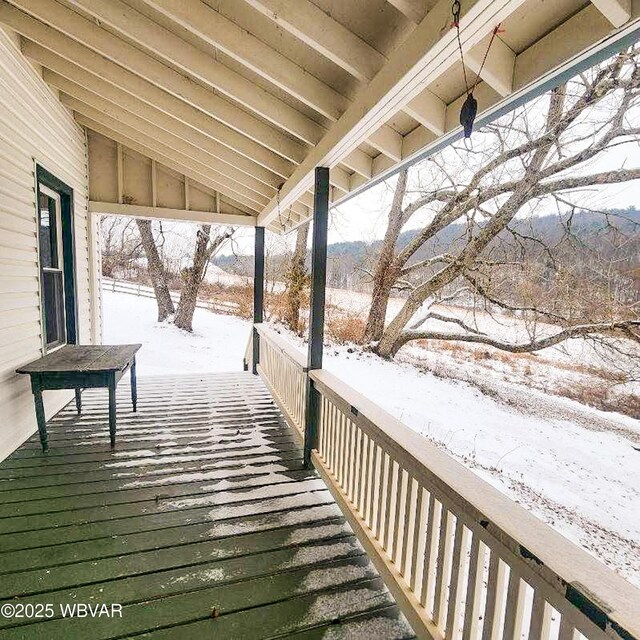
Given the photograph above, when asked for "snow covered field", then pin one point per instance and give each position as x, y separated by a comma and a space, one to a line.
573, 466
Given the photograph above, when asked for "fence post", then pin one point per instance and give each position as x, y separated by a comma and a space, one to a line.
316, 318
258, 293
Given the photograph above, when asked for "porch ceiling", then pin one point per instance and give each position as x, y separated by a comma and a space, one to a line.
246, 97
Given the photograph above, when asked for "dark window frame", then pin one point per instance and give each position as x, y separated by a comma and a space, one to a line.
65, 192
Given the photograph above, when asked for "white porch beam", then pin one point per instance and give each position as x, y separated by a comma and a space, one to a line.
617, 12
116, 49
424, 56
84, 101
498, 67
161, 154
251, 52
359, 162
388, 141
198, 63
166, 213
413, 10
88, 88
429, 110
91, 70
153, 138
314, 27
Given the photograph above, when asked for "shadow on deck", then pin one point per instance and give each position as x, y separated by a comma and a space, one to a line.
202, 523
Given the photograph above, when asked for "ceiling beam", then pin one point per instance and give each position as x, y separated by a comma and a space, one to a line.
155, 138
429, 110
165, 213
121, 52
327, 36
388, 141
145, 124
245, 48
413, 10
95, 72
161, 154
200, 64
359, 162
499, 65
202, 130
426, 54
617, 12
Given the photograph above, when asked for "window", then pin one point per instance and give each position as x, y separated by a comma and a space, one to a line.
54, 205
51, 266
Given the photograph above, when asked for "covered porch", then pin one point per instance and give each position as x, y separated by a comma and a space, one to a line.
275, 501
203, 522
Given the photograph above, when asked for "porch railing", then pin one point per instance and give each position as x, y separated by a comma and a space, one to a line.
462, 560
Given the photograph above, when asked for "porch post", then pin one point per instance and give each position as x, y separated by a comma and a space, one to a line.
258, 293
316, 318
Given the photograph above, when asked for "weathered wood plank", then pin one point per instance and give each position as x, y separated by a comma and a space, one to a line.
204, 503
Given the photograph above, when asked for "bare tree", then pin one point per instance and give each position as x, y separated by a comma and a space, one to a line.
121, 248
296, 279
538, 152
205, 248
156, 270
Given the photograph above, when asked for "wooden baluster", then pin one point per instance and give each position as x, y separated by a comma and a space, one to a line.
409, 516
419, 534
355, 433
540, 618
493, 597
356, 469
457, 560
514, 610
444, 564
429, 551
379, 526
474, 588
567, 630
388, 497
363, 472
371, 479
397, 509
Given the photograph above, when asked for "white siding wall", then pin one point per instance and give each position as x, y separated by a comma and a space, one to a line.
35, 127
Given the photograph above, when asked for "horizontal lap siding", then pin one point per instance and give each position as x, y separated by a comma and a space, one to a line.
34, 126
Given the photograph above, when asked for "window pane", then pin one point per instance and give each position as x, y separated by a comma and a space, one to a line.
53, 306
48, 232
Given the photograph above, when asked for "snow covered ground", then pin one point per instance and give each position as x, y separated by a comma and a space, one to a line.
217, 343
573, 466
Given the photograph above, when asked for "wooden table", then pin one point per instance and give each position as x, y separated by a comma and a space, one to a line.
82, 367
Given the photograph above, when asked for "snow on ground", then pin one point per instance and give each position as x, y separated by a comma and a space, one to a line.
573, 466
217, 343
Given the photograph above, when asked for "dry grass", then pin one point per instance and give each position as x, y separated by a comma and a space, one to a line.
346, 329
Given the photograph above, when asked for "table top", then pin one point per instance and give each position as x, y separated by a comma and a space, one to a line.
83, 358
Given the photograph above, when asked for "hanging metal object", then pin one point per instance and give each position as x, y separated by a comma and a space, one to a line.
469, 108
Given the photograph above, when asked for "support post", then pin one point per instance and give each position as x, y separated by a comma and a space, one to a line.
316, 318
258, 293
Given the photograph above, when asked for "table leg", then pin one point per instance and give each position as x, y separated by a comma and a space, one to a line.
134, 386
79, 400
40, 417
112, 413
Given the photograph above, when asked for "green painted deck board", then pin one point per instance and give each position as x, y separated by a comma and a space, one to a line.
203, 504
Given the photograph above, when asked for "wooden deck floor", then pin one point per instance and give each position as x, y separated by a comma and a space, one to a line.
202, 524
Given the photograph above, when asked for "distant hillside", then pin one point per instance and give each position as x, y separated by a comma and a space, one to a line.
347, 261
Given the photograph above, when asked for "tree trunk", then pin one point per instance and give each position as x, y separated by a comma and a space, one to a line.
192, 277
156, 270
297, 279
386, 271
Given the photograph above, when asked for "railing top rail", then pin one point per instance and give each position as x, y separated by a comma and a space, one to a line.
575, 571
288, 349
